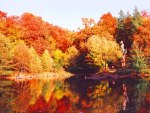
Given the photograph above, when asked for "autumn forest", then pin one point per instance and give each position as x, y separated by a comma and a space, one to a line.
32, 45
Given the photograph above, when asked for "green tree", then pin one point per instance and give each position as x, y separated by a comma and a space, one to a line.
139, 61
127, 26
137, 19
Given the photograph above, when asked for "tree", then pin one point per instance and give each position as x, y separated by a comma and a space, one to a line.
108, 23
51, 43
3, 17
137, 19
102, 50
127, 26
70, 57
60, 35
35, 61
87, 22
139, 61
10, 26
35, 32
5, 54
104, 28
47, 61
58, 58
142, 37
21, 57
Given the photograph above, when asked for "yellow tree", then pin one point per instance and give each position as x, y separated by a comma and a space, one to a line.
58, 58
47, 61
102, 50
35, 61
5, 53
70, 57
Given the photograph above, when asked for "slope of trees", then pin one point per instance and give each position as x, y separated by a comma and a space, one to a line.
30, 44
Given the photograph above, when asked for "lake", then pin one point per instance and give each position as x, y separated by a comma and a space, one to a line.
74, 95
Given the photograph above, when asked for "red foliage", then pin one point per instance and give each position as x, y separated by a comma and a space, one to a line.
40, 45
39, 106
60, 35
108, 22
33, 26
63, 105
3, 15
142, 37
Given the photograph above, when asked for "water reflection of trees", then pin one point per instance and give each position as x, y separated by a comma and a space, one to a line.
96, 96
141, 96
102, 101
6, 95
82, 89
72, 95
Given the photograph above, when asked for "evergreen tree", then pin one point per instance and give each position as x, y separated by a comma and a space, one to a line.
139, 61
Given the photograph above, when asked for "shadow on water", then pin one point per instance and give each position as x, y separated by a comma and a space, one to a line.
122, 96
75, 95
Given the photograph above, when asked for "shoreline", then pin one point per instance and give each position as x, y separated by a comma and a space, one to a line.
64, 75
115, 76
44, 75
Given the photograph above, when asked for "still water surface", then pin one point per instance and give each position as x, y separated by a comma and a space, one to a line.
74, 95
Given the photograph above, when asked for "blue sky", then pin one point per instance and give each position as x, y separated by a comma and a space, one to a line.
68, 13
